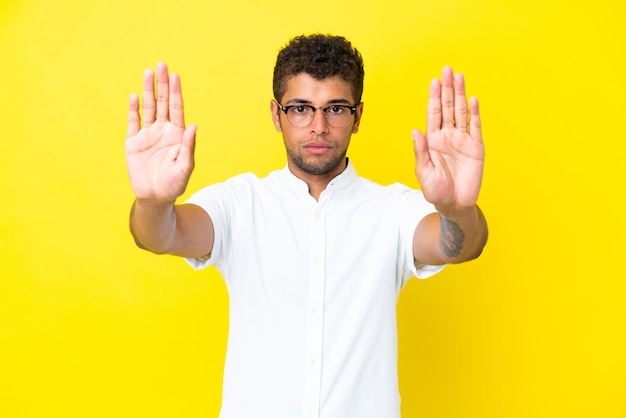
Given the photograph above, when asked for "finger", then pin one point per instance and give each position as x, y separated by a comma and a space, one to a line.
433, 120
147, 98
162, 92
177, 115
185, 157
460, 103
447, 98
420, 146
134, 121
475, 129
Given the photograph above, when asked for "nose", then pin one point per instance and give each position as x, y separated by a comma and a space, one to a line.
319, 125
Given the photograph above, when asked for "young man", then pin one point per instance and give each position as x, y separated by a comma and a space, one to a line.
313, 256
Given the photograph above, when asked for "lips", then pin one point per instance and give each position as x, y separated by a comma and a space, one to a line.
317, 147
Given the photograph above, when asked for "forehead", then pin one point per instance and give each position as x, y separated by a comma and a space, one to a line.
304, 88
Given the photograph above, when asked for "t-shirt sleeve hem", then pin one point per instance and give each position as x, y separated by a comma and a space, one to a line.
199, 263
424, 271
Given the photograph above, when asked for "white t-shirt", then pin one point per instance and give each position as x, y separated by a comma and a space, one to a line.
313, 287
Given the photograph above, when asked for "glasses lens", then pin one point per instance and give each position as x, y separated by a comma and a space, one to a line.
300, 116
338, 116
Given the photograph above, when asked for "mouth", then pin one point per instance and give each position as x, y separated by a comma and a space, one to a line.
317, 147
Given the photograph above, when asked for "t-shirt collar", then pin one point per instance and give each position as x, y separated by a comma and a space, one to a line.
339, 182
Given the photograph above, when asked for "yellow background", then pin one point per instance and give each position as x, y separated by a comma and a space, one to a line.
90, 326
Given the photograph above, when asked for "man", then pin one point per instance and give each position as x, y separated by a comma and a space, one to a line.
313, 256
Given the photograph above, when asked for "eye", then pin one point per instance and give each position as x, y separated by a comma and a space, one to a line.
300, 109
335, 110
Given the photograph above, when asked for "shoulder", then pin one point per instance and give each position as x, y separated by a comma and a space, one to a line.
394, 190
237, 182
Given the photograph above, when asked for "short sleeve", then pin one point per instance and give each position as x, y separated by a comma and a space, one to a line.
414, 208
219, 201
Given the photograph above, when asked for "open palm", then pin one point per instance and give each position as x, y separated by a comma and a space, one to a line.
159, 154
450, 157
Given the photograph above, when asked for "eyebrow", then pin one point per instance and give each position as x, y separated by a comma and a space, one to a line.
297, 101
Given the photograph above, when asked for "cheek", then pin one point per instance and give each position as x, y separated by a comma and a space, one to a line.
290, 139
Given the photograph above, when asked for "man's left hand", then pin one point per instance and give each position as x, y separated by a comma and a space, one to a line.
450, 157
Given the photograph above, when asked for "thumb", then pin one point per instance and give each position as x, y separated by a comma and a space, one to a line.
420, 146
188, 146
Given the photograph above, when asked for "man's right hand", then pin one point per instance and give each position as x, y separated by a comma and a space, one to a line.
159, 154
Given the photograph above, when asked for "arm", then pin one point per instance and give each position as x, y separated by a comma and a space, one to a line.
449, 167
159, 157
442, 240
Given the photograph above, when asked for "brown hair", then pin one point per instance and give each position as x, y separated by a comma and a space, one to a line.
320, 56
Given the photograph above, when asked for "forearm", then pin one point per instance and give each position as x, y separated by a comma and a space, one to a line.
450, 236
153, 225
462, 234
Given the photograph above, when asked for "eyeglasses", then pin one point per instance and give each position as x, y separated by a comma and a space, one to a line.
301, 115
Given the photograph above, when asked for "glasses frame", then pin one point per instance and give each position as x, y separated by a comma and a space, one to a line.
324, 110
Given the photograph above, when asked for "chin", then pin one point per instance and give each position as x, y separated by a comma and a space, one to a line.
319, 167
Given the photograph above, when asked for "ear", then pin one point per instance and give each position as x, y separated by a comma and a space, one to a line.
357, 118
276, 115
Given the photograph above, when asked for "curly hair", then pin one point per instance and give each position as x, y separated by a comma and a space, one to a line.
320, 56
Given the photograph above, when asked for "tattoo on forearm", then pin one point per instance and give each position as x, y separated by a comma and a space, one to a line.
452, 238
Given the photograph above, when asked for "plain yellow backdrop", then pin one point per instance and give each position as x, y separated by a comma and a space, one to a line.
91, 326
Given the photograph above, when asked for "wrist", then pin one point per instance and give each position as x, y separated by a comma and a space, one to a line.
155, 203
457, 212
